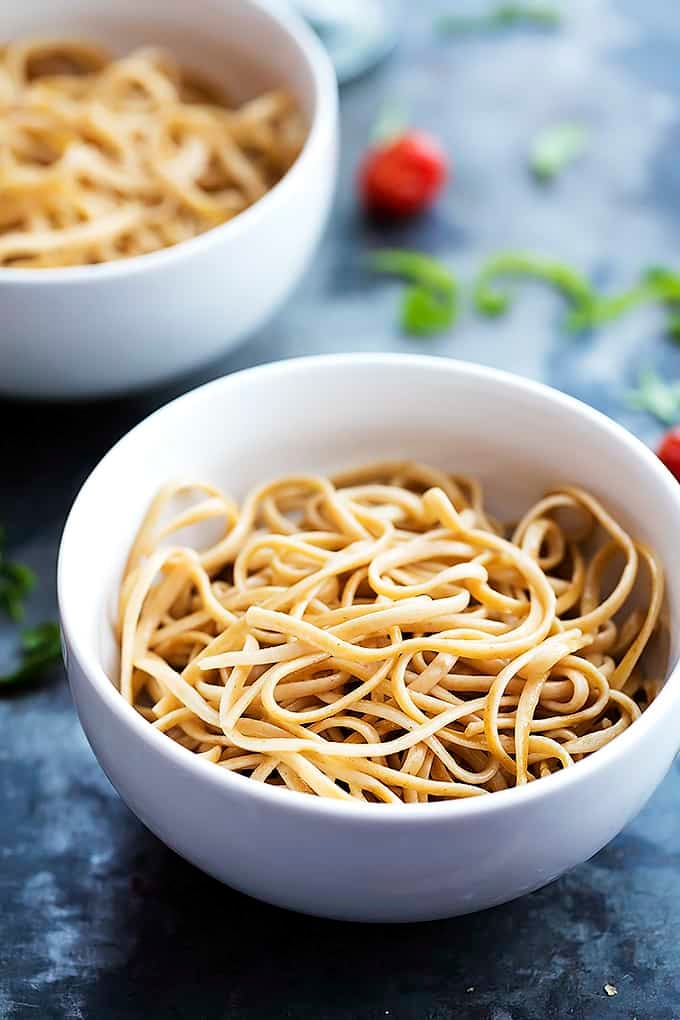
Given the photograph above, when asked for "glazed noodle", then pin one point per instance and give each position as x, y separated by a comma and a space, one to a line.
102, 159
379, 637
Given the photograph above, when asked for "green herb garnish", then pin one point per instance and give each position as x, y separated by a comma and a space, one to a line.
429, 304
504, 16
658, 284
16, 583
607, 309
659, 398
40, 646
663, 284
555, 148
575, 288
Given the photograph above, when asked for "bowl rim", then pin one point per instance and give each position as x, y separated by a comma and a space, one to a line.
325, 99
463, 808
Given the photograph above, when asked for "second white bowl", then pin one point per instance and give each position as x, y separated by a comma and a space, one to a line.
109, 328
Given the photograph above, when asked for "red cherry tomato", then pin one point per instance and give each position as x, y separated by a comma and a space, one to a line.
669, 451
402, 177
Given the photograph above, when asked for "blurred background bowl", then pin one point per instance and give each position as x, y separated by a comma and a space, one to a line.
93, 330
363, 861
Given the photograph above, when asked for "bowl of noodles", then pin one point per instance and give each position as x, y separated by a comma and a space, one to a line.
394, 657
166, 173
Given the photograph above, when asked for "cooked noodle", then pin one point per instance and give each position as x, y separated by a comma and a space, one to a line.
103, 159
379, 637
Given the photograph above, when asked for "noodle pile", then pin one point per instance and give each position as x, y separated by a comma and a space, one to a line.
378, 637
102, 159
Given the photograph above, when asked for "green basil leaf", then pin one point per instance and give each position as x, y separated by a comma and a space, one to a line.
506, 15
658, 398
555, 148
429, 305
40, 647
575, 288
424, 312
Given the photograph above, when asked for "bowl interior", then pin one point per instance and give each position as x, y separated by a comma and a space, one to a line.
237, 44
320, 415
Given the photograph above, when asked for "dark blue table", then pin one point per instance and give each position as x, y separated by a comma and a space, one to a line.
97, 919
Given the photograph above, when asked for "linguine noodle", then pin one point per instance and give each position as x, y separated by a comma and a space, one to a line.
103, 159
379, 636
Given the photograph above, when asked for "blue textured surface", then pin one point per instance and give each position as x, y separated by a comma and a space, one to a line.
97, 919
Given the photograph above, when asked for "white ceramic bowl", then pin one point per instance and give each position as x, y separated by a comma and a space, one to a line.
364, 861
91, 330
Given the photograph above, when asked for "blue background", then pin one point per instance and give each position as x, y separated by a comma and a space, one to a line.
97, 918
